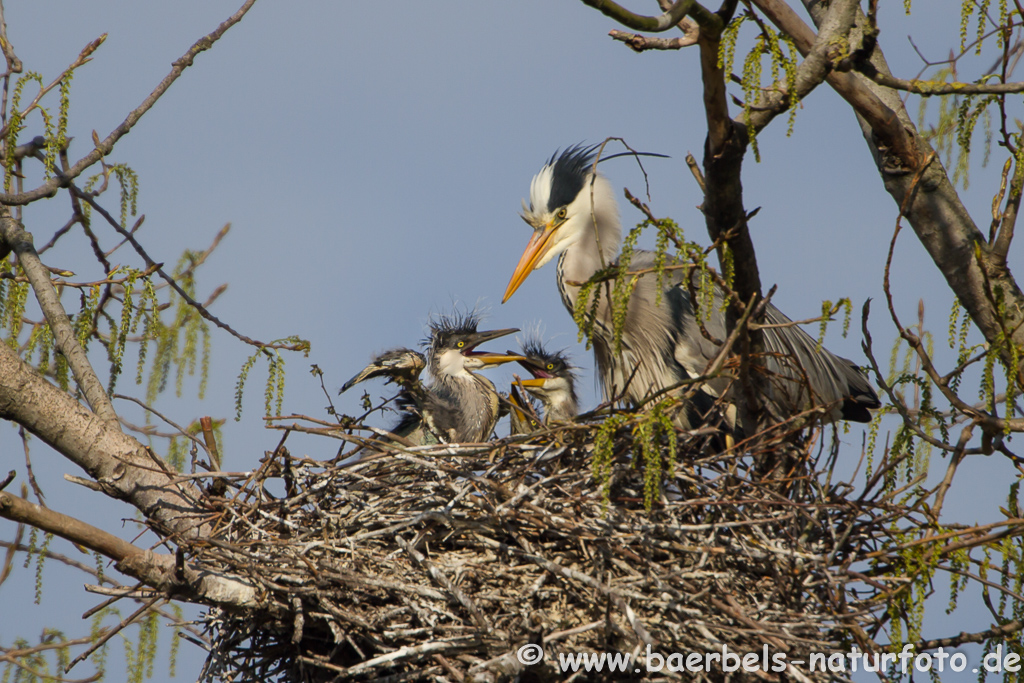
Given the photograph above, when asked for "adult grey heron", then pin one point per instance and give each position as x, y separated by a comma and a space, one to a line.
553, 381
575, 217
458, 405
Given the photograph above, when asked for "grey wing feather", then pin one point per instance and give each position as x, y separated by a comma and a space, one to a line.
831, 379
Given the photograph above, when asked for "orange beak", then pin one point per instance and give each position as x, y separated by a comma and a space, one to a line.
538, 246
496, 358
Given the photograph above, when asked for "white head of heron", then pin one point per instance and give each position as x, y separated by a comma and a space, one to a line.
567, 200
574, 216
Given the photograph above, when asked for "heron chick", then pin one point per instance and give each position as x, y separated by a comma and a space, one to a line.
575, 217
401, 366
553, 381
458, 405
470, 399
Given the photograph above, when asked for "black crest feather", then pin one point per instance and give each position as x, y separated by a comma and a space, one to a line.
569, 170
532, 347
444, 326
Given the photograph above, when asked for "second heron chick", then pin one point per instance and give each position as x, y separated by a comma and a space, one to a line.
553, 382
452, 361
458, 405
418, 404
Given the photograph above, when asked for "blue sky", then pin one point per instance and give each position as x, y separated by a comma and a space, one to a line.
371, 158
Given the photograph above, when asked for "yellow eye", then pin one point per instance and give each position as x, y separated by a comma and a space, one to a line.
461, 344
562, 213
551, 366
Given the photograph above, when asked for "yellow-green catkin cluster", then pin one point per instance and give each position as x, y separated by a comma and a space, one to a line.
915, 564
828, 309
655, 437
273, 393
604, 452
782, 60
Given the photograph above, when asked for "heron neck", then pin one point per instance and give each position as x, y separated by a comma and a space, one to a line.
597, 248
562, 410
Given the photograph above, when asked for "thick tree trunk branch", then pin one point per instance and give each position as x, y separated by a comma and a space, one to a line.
122, 466
154, 569
939, 219
20, 242
716, 104
19, 510
124, 469
723, 160
724, 215
932, 205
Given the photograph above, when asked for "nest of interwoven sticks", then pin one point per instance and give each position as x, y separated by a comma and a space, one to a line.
441, 562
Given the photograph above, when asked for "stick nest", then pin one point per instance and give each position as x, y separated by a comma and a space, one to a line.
440, 563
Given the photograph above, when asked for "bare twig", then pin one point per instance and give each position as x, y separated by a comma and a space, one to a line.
105, 146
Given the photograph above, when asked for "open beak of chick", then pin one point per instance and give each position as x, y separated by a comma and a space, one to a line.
486, 358
540, 375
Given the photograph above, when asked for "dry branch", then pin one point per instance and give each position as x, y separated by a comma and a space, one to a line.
440, 559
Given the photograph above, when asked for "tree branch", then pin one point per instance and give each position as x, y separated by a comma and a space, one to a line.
68, 528
13, 63
810, 73
929, 88
994, 633
153, 265
83, 58
20, 242
155, 569
883, 120
639, 22
122, 466
103, 148
936, 213
1008, 219
639, 43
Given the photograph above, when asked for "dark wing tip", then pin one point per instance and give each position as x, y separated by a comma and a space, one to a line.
854, 410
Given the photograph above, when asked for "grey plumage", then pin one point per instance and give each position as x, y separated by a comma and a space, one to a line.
400, 366
553, 381
452, 362
403, 366
458, 405
661, 343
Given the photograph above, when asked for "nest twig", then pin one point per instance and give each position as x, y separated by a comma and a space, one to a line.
441, 562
